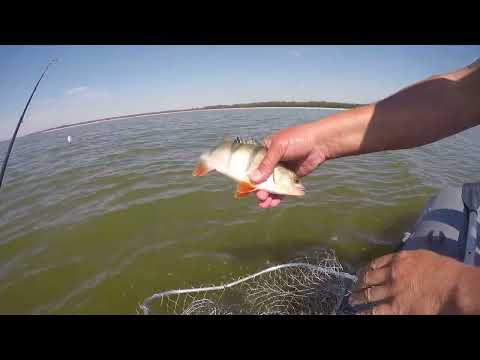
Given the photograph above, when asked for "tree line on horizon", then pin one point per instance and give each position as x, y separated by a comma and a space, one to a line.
325, 104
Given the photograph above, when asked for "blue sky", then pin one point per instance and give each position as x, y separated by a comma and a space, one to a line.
98, 81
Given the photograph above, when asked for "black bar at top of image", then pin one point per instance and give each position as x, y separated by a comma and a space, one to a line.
241, 27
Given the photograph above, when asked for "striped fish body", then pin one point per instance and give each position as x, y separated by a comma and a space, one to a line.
237, 159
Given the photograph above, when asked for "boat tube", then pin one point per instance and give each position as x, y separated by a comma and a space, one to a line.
449, 224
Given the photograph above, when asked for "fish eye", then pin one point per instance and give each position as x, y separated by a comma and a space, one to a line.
296, 180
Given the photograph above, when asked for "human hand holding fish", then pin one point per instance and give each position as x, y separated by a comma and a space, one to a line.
384, 125
297, 148
381, 126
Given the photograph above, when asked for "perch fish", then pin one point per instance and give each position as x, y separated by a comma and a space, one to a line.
237, 158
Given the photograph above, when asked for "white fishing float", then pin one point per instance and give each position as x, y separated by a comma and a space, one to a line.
69, 139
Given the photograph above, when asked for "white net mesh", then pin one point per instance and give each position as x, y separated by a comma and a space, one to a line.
311, 285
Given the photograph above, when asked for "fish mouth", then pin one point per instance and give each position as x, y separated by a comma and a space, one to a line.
298, 190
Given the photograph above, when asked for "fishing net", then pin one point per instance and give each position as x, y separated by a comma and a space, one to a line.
306, 286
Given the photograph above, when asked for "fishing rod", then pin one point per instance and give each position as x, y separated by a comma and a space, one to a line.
10, 146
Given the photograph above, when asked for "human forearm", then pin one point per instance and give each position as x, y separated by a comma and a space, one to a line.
420, 114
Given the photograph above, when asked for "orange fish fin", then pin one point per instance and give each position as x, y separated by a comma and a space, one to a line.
243, 189
201, 169
240, 195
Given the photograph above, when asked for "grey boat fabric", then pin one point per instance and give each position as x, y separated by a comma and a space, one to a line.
448, 225
471, 200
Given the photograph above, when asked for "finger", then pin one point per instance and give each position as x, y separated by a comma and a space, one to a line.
267, 142
262, 203
276, 200
266, 203
265, 169
380, 309
309, 164
367, 277
381, 261
370, 295
262, 195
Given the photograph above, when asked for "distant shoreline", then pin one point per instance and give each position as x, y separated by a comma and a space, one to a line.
340, 106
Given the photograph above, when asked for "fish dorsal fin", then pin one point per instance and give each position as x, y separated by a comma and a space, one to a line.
249, 141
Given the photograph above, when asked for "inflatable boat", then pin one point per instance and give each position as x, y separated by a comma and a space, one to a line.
449, 225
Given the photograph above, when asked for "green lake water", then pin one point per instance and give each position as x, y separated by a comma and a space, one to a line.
98, 225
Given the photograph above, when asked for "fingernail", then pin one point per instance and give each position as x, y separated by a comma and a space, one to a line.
255, 175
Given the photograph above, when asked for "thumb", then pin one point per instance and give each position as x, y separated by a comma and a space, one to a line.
265, 169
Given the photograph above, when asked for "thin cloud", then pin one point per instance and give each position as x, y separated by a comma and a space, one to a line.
96, 95
77, 90
87, 93
296, 53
